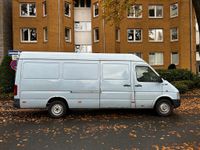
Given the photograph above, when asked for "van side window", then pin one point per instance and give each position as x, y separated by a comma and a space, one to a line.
146, 74
115, 72
42, 70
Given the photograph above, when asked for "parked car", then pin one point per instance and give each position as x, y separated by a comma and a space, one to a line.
62, 81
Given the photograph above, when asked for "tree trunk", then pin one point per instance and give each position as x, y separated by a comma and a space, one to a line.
196, 4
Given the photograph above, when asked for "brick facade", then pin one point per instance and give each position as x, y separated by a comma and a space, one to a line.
56, 22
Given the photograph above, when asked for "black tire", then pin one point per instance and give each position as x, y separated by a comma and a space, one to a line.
57, 109
164, 107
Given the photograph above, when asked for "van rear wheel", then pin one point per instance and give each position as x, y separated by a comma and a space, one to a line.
164, 107
57, 109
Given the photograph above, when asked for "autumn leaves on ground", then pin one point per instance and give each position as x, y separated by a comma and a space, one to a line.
102, 129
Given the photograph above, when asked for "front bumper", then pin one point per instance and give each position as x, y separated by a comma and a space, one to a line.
16, 103
176, 103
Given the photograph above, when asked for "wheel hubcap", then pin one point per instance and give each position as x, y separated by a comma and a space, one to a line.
164, 108
57, 109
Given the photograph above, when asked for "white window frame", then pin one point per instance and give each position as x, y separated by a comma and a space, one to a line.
95, 39
172, 58
117, 36
68, 40
83, 48
29, 35
45, 31
28, 5
134, 38
82, 26
95, 6
155, 11
156, 36
173, 16
156, 63
44, 8
134, 11
66, 2
171, 30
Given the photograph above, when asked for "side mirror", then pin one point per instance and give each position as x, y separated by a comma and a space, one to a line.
160, 80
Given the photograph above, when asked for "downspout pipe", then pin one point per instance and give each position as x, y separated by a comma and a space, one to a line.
191, 33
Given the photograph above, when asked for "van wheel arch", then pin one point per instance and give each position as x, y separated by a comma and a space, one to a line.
57, 107
57, 99
166, 102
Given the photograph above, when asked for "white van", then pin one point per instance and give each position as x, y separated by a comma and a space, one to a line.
62, 81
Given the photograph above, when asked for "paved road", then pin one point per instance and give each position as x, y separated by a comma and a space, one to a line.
101, 129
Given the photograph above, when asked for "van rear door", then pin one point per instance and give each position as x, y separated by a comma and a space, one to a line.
116, 90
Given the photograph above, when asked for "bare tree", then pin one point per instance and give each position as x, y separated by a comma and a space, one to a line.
114, 10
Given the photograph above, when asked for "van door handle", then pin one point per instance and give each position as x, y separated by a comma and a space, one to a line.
138, 85
127, 85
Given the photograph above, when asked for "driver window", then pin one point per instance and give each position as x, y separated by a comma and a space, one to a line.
146, 74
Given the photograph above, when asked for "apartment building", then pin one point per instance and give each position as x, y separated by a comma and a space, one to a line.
162, 32
5, 27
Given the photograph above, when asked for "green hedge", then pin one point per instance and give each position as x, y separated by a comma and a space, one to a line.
176, 74
7, 76
182, 79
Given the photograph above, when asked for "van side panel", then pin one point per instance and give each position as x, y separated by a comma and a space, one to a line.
116, 90
77, 82
39, 81
81, 80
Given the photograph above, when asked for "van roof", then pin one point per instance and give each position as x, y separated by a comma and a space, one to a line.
78, 56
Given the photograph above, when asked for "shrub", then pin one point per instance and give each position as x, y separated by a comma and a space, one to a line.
182, 79
176, 74
7, 76
171, 66
197, 81
181, 86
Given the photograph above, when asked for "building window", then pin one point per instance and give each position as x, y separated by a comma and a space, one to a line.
156, 35
82, 3
82, 26
44, 5
134, 35
156, 11
67, 9
67, 34
45, 34
174, 10
135, 11
156, 58
174, 58
88, 3
28, 35
83, 48
96, 9
174, 34
27, 10
139, 54
96, 35
117, 35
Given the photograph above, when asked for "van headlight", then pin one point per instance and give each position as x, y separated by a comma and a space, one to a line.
178, 95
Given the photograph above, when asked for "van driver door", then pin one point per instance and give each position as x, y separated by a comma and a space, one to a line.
148, 86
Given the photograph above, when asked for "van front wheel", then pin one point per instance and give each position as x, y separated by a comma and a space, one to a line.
57, 109
164, 108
